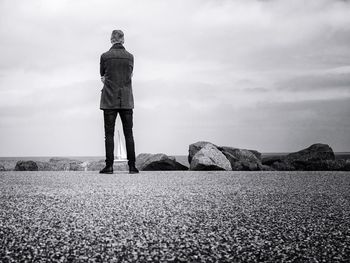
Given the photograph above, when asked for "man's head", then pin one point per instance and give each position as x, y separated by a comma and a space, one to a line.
117, 37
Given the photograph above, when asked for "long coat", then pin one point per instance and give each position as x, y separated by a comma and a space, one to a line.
116, 65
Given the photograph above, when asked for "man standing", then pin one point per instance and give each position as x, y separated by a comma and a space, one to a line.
116, 67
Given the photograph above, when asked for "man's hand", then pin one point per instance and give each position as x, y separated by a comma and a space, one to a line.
103, 79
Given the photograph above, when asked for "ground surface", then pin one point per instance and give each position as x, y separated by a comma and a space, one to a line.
175, 216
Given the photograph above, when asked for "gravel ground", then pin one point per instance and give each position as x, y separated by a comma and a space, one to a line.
175, 217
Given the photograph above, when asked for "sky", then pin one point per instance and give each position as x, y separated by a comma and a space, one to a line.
273, 76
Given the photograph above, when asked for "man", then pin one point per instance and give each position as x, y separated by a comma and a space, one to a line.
116, 67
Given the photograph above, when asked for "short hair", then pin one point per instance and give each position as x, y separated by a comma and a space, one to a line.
117, 37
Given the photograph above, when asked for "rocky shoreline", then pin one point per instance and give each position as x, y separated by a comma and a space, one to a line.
204, 156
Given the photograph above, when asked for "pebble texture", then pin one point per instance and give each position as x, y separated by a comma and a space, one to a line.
175, 217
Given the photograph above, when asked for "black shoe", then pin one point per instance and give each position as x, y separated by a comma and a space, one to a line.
107, 170
133, 170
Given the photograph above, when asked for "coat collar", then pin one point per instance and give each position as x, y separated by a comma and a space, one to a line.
117, 46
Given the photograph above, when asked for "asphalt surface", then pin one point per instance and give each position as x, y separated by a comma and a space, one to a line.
175, 217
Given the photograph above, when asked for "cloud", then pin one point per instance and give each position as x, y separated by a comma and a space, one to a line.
203, 70
317, 82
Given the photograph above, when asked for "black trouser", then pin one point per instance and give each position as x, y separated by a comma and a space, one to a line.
109, 123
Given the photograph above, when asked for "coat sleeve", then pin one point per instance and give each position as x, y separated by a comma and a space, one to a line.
131, 65
102, 66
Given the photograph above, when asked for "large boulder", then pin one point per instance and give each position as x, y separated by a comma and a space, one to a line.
210, 158
313, 154
158, 162
26, 166
196, 147
243, 159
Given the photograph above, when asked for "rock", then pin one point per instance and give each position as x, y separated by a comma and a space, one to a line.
242, 159
76, 166
317, 157
210, 158
84, 165
96, 165
2, 168
196, 147
121, 166
346, 165
269, 160
99, 165
158, 162
314, 153
282, 166
328, 165
265, 168
60, 159
257, 154
61, 164
45, 166
26, 166
65, 164
8, 164
182, 159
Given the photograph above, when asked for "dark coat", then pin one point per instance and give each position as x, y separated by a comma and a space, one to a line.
116, 65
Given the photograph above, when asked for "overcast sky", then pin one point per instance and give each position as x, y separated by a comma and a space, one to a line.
267, 75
